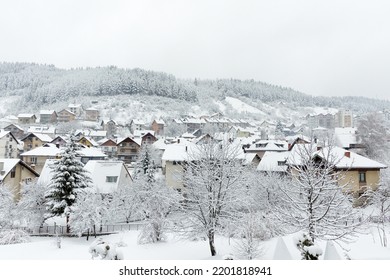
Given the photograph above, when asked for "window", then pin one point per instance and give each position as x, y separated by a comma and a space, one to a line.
281, 163
261, 145
111, 179
33, 159
362, 177
13, 171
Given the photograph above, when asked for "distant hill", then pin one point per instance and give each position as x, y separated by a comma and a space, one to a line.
39, 86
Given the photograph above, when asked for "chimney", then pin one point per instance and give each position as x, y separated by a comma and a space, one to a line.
319, 148
178, 141
289, 147
347, 154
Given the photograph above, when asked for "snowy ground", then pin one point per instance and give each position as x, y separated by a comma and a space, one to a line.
366, 247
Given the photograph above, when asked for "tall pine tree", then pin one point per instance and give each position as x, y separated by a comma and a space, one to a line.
69, 179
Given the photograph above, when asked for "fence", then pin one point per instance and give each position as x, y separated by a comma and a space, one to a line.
61, 230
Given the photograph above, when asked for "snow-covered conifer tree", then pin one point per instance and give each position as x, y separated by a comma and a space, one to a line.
69, 179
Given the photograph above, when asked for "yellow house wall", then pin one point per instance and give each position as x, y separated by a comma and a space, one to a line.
173, 175
21, 174
350, 179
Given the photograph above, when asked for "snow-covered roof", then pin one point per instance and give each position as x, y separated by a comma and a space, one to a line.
66, 110
188, 135
159, 121
141, 133
8, 164
138, 122
15, 125
42, 129
43, 137
354, 160
344, 137
178, 151
3, 133
160, 144
98, 133
90, 140
100, 170
273, 162
91, 152
26, 116
46, 112
49, 150
342, 158
269, 145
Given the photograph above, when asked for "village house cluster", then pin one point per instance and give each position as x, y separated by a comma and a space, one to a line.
29, 142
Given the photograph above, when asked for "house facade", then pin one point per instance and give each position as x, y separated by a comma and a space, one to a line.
37, 157
16, 130
13, 173
92, 114
128, 150
109, 147
26, 118
66, 116
34, 140
158, 127
8, 145
47, 116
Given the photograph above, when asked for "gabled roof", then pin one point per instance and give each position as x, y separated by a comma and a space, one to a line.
120, 140
67, 111
10, 163
342, 158
159, 121
15, 125
4, 133
26, 116
142, 133
104, 141
49, 150
91, 153
100, 170
273, 162
137, 122
43, 137
47, 112
90, 140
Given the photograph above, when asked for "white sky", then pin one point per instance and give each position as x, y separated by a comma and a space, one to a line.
318, 47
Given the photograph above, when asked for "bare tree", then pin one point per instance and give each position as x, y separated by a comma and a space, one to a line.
314, 201
214, 186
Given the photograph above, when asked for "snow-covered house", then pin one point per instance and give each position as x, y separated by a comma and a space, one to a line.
357, 172
13, 173
108, 176
86, 154
109, 147
273, 162
158, 126
110, 126
91, 114
66, 116
173, 159
347, 138
37, 157
47, 116
16, 130
88, 142
97, 135
59, 141
76, 109
34, 140
137, 125
8, 145
262, 146
128, 149
26, 118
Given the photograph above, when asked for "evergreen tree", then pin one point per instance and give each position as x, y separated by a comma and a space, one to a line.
69, 179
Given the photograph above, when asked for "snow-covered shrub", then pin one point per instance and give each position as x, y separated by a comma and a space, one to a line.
305, 244
152, 231
104, 251
251, 232
13, 236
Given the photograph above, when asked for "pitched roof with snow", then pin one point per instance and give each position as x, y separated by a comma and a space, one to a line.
100, 170
273, 161
43, 137
26, 116
46, 112
91, 152
49, 150
9, 164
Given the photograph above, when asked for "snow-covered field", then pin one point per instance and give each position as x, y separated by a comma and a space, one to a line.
366, 247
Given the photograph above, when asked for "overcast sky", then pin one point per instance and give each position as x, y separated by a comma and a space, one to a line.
317, 47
